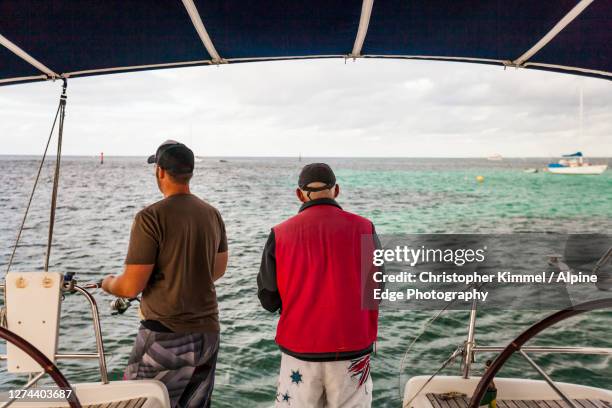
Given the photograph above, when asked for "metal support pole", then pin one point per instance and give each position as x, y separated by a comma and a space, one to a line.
40, 167
62, 114
468, 350
548, 380
552, 350
98, 331
77, 356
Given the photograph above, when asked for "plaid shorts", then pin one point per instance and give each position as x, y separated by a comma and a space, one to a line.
184, 362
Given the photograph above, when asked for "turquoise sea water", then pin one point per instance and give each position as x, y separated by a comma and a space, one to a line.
97, 204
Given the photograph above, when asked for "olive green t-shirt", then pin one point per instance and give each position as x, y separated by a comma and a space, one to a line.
181, 236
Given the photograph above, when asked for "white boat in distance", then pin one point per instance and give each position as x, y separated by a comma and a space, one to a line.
575, 164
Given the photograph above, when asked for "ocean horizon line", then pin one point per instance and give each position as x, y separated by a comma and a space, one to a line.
51, 156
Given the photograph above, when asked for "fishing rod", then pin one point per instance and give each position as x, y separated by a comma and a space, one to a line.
118, 305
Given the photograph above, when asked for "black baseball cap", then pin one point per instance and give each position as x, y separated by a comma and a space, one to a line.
174, 157
316, 172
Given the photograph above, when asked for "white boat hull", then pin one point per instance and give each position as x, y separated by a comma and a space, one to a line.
586, 170
507, 389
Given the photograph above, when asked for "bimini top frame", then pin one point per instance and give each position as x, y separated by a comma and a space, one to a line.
65, 39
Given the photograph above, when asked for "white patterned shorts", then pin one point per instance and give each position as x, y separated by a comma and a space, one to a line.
333, 384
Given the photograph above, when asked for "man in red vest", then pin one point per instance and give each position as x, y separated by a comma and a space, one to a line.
311, 271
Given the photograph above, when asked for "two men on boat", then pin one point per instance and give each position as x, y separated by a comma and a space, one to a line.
311, 271
177, 250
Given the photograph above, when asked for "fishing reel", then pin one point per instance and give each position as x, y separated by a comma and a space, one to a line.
119, 306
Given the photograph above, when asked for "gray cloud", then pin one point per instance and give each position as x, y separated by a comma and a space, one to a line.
326, 107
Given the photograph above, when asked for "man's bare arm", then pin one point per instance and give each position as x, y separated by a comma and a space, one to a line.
130, 283
220, 265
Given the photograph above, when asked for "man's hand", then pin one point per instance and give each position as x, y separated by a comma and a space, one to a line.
106, 282
130, 283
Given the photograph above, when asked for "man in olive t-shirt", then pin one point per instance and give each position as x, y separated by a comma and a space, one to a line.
177, 250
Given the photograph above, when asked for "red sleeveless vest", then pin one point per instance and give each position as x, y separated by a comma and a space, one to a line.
318, 266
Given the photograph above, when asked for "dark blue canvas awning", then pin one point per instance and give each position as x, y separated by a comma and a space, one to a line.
42, 40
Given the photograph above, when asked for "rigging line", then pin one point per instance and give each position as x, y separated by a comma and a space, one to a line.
452, 357
415, 339
56, 176
25, 215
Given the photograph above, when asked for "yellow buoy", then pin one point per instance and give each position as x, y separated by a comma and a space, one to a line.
480, 179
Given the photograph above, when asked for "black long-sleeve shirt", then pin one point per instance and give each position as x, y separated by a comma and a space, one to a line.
267, 288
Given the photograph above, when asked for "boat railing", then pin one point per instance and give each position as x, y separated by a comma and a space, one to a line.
470, 348
70, 286
517, 346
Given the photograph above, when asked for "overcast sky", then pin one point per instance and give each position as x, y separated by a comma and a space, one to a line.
318, 108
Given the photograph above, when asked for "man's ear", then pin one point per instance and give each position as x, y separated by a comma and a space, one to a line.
300, 195
161, 172
336, 191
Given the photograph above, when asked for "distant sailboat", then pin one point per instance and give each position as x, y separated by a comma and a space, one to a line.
495, 157
574, 163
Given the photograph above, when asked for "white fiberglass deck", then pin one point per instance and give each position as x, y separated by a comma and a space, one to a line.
511, 393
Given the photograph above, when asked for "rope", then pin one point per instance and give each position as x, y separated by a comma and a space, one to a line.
452, 357
416, 338
60, 133
413, 342
25, 215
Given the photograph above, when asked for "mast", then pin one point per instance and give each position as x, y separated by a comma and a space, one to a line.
581, 108
581, 114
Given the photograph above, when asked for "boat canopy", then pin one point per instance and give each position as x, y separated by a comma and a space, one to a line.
577, 154
42, 40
